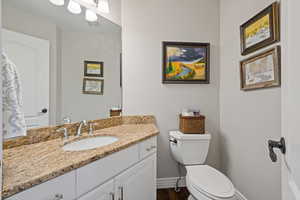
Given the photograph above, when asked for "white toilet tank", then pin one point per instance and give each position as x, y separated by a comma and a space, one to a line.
189, 149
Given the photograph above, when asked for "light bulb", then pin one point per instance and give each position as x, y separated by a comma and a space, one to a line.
58, 2
90, 16
74, 7
103, 6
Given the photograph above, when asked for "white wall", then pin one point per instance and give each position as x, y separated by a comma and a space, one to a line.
19, 21
247, 119
145, 25
80, 46
115, 12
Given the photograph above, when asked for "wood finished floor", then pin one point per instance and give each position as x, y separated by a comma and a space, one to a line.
170, 194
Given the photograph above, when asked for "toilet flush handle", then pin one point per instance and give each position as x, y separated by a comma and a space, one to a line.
173, 140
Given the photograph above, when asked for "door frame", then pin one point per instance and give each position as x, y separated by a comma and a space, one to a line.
289, 188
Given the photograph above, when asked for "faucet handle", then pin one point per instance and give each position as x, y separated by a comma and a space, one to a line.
64, 131
91, 128
67, 120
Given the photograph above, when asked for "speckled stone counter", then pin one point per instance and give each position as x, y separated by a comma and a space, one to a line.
31, 164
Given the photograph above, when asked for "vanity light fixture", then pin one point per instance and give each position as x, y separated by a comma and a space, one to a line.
74, 7
93, 7
103, 6
90, 16
57, 2
90, 2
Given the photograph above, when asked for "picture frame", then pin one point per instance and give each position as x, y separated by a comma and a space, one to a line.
261, 30
185, 63
93, 68
262, 70
93, 86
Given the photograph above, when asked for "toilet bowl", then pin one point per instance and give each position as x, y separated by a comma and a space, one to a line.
203, 182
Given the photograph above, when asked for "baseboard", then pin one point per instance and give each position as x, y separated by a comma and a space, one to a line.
163, 183
239, 195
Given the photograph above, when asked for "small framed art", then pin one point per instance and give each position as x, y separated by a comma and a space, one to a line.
93, 69
261, 71
261, 30
185, 62
93, 86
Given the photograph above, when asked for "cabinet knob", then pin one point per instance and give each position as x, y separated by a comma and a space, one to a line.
58, 197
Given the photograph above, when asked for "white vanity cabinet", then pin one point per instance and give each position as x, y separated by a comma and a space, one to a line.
138, 182
129, 174
100, 171
103, 192
60, 188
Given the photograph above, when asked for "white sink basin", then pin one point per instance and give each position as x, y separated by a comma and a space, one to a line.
90, 143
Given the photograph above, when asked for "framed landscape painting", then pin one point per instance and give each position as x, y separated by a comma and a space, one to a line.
261, 30
93, 68
185, 62
261, 71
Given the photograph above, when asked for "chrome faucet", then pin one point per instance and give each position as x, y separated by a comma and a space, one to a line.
79, 129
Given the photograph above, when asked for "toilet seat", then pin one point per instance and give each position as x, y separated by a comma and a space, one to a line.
209, 183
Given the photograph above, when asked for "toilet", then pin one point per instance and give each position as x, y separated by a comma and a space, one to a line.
203, 182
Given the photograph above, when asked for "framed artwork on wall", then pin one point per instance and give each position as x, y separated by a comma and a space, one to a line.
261, 30
185, 62
261, 71
93, 86
93, 68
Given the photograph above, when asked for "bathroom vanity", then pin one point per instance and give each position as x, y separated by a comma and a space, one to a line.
62, 145
123, 170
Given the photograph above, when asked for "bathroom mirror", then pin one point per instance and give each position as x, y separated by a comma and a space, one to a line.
61, 65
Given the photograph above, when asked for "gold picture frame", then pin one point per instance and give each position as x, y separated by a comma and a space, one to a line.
93, 86
261, 30
262, 70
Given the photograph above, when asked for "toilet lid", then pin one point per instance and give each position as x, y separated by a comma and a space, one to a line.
209, 180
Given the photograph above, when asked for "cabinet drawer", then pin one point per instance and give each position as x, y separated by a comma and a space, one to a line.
60, 188
148, 147
98, 172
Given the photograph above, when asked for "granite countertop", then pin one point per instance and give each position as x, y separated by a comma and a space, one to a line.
29, 165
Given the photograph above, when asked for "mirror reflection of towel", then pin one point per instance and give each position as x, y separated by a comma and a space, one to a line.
13, 116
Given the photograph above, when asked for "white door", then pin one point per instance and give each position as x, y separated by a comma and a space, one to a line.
31, 57
139, 182
103, 192
1, 120
291, 99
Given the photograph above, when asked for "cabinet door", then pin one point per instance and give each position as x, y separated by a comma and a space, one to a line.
138, 182
103, 192
98, 172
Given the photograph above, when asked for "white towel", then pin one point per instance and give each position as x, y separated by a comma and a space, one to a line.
13, 117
